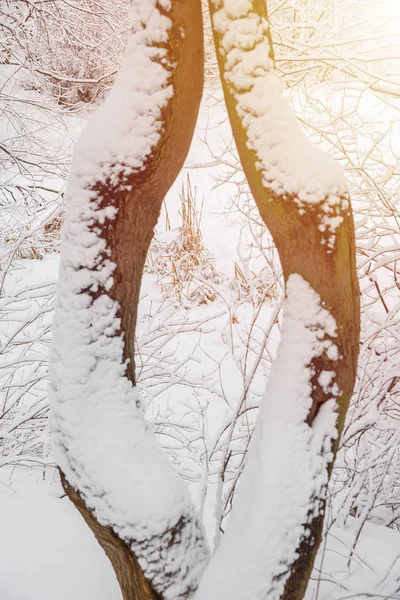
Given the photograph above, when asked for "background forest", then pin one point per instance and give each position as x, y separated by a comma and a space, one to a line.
212, 282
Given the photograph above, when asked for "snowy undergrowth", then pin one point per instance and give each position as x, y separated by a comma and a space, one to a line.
36, 143
26, 308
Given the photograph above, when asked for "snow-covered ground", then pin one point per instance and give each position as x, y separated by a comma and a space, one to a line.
48, 553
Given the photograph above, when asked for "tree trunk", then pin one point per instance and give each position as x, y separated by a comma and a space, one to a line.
137, 200
131, 579
139, 210
315, 238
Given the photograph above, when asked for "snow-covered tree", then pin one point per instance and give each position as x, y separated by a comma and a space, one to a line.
303, 198
124, 163
111, 465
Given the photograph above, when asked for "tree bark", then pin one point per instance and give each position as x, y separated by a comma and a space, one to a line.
304, 249
131, 579
139, 210
128, 236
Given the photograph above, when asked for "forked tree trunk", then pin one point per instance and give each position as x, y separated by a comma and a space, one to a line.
138, 199
314, 239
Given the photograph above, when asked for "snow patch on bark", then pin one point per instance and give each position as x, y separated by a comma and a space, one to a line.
289, 163
101, 441
284, 482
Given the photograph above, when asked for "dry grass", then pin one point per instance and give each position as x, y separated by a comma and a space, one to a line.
258, 287
183, 266
34, 243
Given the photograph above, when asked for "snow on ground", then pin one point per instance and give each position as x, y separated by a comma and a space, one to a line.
48, 552
373, 571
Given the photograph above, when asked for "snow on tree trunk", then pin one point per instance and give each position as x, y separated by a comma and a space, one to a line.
276, 523
126, 159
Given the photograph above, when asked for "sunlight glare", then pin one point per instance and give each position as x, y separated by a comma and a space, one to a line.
390, 8
388, 12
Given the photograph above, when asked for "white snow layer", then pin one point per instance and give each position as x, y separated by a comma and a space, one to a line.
101, 441
286, 471
289, 163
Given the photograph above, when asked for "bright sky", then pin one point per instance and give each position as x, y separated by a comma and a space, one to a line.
389, 9
388, 13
